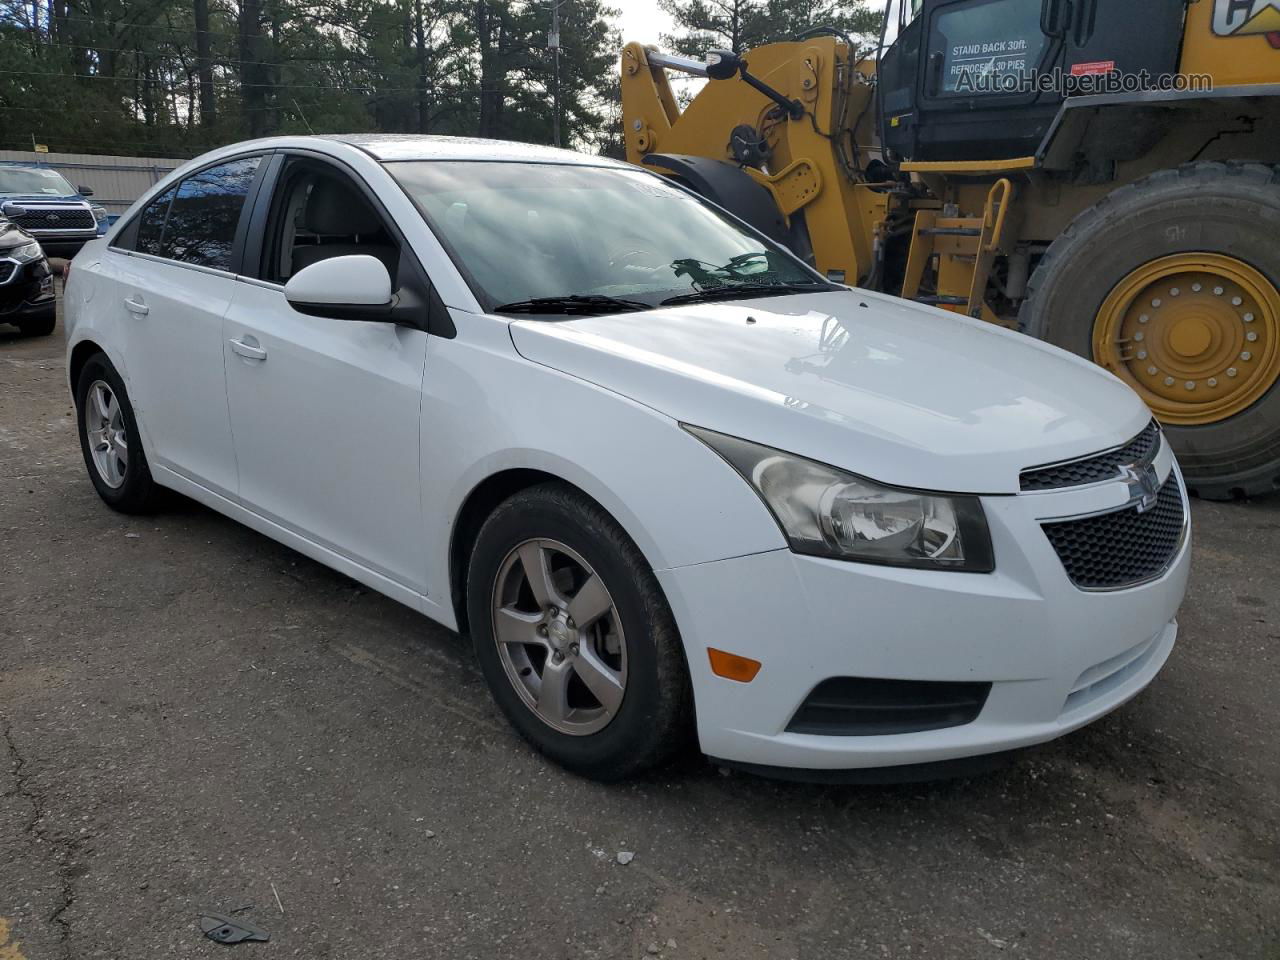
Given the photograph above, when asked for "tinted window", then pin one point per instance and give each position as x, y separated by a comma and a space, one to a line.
985, 43
202, 221
151, 223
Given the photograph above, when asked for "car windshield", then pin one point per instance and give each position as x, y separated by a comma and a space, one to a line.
559, 238
33, 182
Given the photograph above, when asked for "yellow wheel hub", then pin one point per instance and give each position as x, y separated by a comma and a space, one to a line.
1196, 334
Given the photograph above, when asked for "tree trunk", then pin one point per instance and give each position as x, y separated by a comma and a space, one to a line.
420, 45
35, 26
253, 81
204, 65
490, 29
275, 71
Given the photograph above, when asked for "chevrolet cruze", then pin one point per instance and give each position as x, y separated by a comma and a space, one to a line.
667, 477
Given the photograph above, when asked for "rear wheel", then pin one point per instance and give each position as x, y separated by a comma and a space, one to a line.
109, 439
573, 635
1173, 284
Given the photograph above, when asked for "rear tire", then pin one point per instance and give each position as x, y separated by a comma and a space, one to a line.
123, 484
637, 639
1228, 212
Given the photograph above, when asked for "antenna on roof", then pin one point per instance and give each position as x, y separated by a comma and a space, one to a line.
303, 116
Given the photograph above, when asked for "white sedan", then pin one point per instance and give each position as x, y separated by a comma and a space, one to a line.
666, 476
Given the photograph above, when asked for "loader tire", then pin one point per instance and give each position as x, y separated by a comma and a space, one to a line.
1173, 284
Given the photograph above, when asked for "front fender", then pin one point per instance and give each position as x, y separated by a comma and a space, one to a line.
678, 500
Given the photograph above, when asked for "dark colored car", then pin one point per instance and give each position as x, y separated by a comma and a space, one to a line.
26, 282
43, 203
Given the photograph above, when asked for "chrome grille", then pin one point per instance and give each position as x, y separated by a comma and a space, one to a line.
1124, 547
37, 218
1094, 469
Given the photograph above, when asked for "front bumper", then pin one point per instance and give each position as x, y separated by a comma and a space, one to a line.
1056, 657
63, 245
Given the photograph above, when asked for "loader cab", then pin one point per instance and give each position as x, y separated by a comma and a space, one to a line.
983, 79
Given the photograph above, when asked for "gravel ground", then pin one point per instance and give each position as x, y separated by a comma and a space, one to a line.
197, 719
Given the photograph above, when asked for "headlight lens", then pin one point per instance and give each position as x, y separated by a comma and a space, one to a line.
28, 251
99, 213
830, 513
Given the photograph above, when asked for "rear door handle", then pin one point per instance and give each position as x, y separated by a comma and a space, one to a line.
136, 306
250, 351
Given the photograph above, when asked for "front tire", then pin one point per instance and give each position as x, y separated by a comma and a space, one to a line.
1173, 284
574, 637
109, 439
39, 326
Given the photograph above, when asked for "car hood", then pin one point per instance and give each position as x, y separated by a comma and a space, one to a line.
41, 197
896, 392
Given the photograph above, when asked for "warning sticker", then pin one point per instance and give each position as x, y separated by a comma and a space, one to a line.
1093, 69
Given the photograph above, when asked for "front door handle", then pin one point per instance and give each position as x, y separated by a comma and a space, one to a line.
250, 351
136, 306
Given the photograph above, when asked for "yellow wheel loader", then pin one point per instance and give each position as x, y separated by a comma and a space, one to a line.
1100, 175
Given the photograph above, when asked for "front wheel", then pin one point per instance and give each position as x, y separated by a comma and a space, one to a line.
574, 636
1173, 284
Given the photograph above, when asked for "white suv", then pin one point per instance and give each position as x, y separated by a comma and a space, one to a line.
663, 473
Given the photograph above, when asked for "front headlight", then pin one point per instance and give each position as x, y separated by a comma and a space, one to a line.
99, 213
830, 513
28, 251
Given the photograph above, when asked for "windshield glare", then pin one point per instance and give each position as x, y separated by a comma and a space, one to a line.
33, 182
524, 231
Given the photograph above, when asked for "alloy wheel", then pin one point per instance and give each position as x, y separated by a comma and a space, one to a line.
105, 429
559, 637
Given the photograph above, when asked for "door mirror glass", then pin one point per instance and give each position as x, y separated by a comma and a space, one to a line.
353, 287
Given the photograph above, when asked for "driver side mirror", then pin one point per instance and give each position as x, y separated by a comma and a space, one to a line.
354, 287
84, 191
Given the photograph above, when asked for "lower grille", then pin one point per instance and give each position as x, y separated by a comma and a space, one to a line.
71, 219
1124, 547
864, 707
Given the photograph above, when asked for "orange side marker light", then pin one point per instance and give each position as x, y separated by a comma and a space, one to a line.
733, 667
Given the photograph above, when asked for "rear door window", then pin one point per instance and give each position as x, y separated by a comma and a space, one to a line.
206, 211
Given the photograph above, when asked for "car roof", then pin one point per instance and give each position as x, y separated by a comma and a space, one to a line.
391, 147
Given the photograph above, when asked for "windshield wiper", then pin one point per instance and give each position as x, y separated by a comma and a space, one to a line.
732, 291
574, 303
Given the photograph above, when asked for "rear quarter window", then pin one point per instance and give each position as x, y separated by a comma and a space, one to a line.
151, 223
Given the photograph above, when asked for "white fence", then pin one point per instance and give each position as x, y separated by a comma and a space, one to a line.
116, 181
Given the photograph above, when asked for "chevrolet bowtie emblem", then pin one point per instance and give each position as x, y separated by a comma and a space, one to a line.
1144, 485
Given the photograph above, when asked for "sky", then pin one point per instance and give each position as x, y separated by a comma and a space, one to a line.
641, 20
